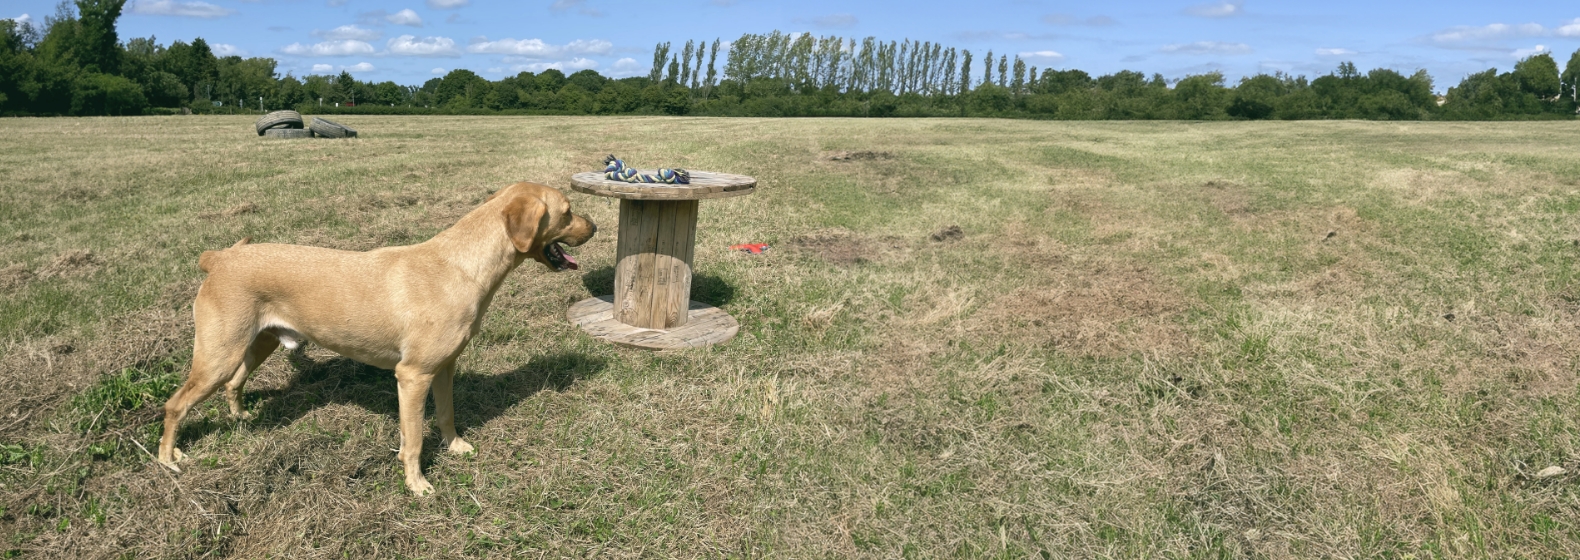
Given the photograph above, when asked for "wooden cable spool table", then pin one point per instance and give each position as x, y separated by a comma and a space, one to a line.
651, 306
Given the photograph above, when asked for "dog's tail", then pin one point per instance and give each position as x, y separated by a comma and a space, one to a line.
206, 260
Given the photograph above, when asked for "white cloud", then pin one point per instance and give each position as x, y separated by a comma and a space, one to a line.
1571, 29
222, 49
566, 66
523, 47
358, 67
1050, 56
409, 45
583, 46
536, 48
1217, 9
348, 32
1538, 49
346, 47
1463, 34
1208, 47
447, 4
405, 17
184, 9
440, 71
626, 67
323, 68
1336, 52
23, 19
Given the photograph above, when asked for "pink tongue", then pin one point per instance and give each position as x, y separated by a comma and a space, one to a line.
569, 260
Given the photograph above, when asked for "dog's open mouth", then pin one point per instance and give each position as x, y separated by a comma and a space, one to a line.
558, 258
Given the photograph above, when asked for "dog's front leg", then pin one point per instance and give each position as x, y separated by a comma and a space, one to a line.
444, 408
413, 382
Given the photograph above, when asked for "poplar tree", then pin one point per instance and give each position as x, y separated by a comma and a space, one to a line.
949, 71
660, 54
712, 58
674, 70
696, 69
965, 73
1020, 74
685, 63
1003, 68
987, 69
901, 67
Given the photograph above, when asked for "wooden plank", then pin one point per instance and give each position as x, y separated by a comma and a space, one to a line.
663, 260
645, 278
679, 302
626, 253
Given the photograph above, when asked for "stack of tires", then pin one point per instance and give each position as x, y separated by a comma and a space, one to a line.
288, 124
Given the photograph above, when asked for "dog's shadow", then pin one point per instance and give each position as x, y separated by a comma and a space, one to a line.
705, 288
479, 398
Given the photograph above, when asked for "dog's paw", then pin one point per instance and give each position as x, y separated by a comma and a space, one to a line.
419, 487
241, 416
178, 457
459, 446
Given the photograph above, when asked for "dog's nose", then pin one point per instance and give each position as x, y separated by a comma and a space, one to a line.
594, 226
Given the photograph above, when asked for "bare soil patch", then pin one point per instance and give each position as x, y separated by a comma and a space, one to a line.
1092, 308
950, 234
70, 263
844, 248
863, 155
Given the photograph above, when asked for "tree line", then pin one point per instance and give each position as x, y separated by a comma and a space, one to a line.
75, 64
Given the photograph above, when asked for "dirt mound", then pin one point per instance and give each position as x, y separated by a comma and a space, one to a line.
14, 277
1097, 309
70, 263
843, 248
859, 156
951, 233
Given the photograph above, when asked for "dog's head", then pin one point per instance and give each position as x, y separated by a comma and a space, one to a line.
540, 224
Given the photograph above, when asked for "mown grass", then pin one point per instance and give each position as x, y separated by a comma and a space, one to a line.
1156, 339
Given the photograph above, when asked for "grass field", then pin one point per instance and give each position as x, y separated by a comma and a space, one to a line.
1313, 339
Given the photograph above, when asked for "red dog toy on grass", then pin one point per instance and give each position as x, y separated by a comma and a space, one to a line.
753, 248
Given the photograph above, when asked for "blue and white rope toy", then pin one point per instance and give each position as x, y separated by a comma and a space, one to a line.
615, 170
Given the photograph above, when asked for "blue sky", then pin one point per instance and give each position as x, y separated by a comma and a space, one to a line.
409, 41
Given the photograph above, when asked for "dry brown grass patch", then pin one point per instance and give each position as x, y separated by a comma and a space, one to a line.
237, 210
14, 277
863, 155
70, 263
1099, 308
844, 248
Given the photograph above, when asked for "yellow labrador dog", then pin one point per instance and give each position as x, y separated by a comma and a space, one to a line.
411, 309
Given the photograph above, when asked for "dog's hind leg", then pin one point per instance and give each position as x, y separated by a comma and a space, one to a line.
218, 350
261, 348
444, 409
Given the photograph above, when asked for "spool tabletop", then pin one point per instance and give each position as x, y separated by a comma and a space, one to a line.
704, 184
651, 306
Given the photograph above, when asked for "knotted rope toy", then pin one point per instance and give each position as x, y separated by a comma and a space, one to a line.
615, 170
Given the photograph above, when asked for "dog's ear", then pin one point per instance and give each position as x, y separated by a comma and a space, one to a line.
525, 217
